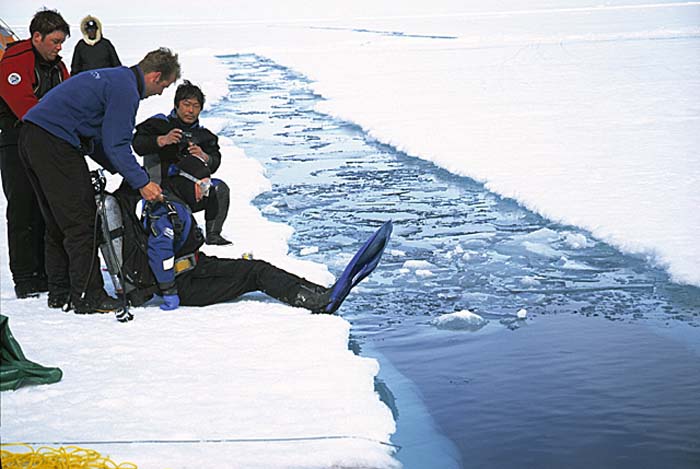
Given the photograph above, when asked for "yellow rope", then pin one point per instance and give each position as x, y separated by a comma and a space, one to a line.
45, 457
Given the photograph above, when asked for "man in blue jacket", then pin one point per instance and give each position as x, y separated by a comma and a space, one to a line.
92, 113
189, 277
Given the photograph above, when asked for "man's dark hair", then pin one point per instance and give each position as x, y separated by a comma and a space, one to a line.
161, 60
186, 91
47, 21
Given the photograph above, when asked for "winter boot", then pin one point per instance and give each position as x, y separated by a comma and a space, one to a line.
215, 226
101, 303
214, 234
315, 299
59, 299
25, 290
31, 287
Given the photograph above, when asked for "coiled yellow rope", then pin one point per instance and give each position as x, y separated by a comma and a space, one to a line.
45, 457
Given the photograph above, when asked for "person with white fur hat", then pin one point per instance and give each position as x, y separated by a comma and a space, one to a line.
94, 50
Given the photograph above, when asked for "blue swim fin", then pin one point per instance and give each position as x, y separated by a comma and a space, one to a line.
361, 265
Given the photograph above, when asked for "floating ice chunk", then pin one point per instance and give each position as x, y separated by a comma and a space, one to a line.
308, 250
455, 253
498, 257
424, 273
566, 263
415, 265
541, 249
543, 235
577, 240
397, 253
461, 320
528, 280
522, 313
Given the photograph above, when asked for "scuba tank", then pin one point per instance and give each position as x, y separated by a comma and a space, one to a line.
112, 235
112, 228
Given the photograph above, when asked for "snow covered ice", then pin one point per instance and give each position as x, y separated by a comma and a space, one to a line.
216, 373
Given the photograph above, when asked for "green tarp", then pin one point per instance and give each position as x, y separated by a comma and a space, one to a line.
15, 369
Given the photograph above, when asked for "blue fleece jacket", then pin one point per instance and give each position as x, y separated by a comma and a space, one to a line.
100, 106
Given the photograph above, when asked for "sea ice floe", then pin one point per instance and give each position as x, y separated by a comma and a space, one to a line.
454, 253
522, 313
528, 280
460, 320
498, 257
566, 263
308, 250
541, 249
543, 235
577, 240
417, 264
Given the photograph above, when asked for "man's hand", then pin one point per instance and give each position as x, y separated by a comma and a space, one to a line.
196, 150
174, 136
151, 192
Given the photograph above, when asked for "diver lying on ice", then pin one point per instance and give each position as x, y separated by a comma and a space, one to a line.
185, 276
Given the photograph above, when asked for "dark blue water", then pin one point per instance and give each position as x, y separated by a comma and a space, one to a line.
605, 370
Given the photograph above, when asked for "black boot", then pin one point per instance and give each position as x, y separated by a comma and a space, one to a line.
313, 298
25, 289
59, 299
214, 235
31, 287
214, 227
100, 303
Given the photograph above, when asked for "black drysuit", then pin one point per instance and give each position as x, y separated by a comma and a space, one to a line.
215, 280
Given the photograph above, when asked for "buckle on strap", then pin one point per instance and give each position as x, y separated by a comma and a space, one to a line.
185, 263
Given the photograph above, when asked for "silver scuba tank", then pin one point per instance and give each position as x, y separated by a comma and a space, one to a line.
112, 234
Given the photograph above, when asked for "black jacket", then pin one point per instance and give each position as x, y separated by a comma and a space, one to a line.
147, 133
100, 55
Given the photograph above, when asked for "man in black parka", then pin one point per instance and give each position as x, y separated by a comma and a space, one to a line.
164, 140
94, 50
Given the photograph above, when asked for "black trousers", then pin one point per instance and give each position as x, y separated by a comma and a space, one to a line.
25, 224
61, 180
215, 280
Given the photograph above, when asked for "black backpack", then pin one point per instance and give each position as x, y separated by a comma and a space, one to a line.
131, 266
